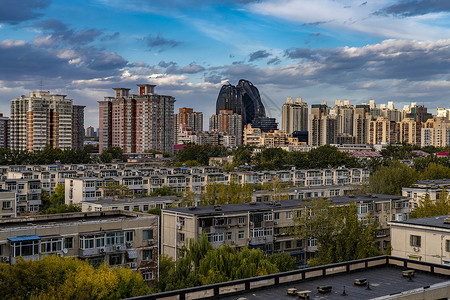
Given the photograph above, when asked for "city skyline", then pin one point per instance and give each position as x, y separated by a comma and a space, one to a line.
318, 50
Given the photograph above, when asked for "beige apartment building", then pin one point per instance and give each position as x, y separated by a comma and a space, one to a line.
7, 204
423, 239
117, 238
39, 120
266, 225
294, 115
432, 188
436, 132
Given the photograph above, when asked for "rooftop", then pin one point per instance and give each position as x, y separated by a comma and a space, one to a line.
437, 222
268, 205
111, 201
70, 218
383, 273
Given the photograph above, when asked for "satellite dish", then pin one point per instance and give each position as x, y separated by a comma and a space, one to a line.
64, 250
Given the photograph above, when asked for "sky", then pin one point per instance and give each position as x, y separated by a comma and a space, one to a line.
319, 50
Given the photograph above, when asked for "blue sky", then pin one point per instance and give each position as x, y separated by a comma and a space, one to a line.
315, 49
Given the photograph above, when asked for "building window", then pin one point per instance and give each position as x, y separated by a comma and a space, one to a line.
68, 242
447, 245
129, 236
181, 237
276, 246
147, 255
276, 216
115, 259
147, 275
288, 244
147, 234
228, 236
6, 205
288, 215
415, 240
241, 234
2, 249
241, 220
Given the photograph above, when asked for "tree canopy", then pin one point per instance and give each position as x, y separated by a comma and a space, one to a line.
48, 155
428, 208
55, 277
201, 264
56, 203
340, 235
199, 153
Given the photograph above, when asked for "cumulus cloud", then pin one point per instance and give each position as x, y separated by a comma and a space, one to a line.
258, 55
274, 61
14, 12
408, 8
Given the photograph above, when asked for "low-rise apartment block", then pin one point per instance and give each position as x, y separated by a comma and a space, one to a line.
266, 225
432, 188
117, 238
423, 239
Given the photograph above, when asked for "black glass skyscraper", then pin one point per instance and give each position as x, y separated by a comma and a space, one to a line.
243, 99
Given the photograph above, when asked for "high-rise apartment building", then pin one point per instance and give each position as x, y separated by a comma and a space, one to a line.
90, 132
419, 113
361, 123
410, 131
137, 123
41, 119
4, 131
384, 131
229, 122
294, 115
436, 132
78, 127
187, 120
322, 126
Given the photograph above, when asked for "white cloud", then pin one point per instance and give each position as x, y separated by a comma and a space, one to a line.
351, 16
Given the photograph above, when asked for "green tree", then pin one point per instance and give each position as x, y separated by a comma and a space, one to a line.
164, 191
56, 204
201, 264
390, 179
340, 235
111, 153
56, 277
242, 155
271, 159
114, 189
435, 171
429, 208
199, 153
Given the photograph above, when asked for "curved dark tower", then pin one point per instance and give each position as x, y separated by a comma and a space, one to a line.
243, 99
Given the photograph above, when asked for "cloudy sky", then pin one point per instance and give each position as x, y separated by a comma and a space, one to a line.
319, 50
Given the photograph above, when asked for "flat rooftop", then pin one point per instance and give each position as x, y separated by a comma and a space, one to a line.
383, 273
67, 219
111, 201
437, 222
383, 281
283, 204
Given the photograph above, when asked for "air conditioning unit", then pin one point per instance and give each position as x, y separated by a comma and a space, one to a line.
241, 225
19, 191
151, 242
179, 227
117, 247
275, 222
416, 249
132, 265
129, 244
251, 223
102, 250
5, 259
233, 242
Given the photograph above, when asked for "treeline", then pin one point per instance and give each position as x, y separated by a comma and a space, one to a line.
55, 277
51, 155
392, 177
267, 159
201, 264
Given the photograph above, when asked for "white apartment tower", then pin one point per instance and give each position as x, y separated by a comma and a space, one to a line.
39, 120
294, 115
